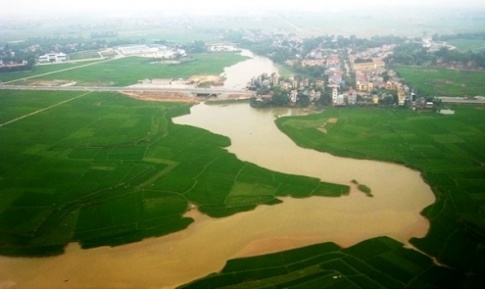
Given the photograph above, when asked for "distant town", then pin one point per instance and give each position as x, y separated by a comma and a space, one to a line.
319, 71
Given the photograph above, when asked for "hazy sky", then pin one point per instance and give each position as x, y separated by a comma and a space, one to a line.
13, 7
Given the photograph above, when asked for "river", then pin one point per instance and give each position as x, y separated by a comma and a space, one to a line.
165, 262
237, 76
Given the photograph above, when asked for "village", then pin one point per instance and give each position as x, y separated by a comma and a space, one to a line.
358, 78
319, 71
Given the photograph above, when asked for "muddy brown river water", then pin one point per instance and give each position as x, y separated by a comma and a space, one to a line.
166, 262
400, 195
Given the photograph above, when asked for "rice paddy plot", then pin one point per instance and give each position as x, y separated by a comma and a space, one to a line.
41, 70
443, 82
465, 45
84, 55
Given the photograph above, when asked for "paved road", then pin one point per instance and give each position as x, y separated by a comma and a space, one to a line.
198, 90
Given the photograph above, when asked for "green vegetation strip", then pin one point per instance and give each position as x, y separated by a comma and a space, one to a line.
104, 169
443, 82
376, 263
448, 150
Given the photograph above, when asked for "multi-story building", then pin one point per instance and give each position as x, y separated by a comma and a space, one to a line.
52, 58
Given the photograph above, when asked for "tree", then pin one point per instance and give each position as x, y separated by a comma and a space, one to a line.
280, 97
326, 98
385, 76
388, 100
195, 47
302, 100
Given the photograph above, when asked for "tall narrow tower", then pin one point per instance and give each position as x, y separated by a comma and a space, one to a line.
334, 95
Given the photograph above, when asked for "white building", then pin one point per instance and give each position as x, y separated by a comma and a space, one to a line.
340, 100
293, 95
334, 95
162, 51
52, 58
134, 49
220, 48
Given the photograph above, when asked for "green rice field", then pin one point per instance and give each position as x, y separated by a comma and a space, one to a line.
39, 70
464, 45
84, 55
443, 82
129, 70
104, 169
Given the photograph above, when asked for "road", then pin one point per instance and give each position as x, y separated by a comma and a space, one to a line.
198, 90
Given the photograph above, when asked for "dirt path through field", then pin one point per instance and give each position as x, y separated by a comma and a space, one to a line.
41, 110
57, 71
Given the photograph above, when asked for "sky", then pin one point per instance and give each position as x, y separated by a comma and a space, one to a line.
12, 7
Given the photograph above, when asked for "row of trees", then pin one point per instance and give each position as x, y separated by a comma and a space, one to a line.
10, 56
353, 42
279, 47
416, 54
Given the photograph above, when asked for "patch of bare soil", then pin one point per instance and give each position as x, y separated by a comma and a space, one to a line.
323, 128
98, 83
201, 80
164, 96
48, 82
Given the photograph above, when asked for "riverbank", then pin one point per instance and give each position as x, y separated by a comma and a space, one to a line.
176, 258
445, 149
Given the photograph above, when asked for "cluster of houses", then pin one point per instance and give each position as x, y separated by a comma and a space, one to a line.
330, 61
370, 73
292, 85
367, 66
10, 64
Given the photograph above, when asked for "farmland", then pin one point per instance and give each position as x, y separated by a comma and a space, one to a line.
39, 70
465, 45
130, 70
448, 152
443, 82
104, 169
375, 263
84, 55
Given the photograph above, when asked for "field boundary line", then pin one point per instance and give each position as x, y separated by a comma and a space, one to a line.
60, 70
42, 109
